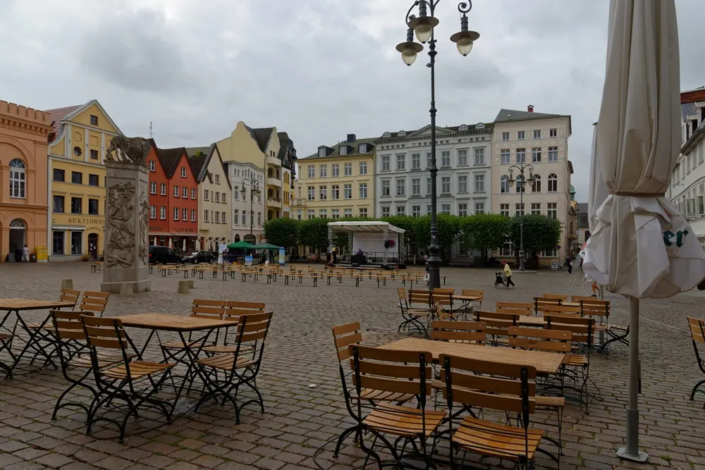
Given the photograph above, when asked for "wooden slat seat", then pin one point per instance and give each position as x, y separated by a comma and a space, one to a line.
225, 349
383, 396
403, 421
575, 360
226, 361
516, 308
178, 344
104, 360
496, 440
138, 369
549, 402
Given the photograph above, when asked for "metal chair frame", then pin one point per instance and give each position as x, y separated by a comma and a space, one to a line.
697, 334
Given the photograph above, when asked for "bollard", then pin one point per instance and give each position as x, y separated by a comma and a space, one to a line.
67, 284
191, 285
183, 287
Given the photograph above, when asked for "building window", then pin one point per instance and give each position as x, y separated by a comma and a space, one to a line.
323, 213
401, 210
505, 136
385, 212
59, 204
193, 194
479, 183
217, 179
401, 162
363, 212
311, 171
335, 192
415, 211
552, 211
176, 213
93, 180
521, 155
519, 209
429, 160
216, 194
347, 169
401, 187
94, 155
323, 171
152, 212
93, 206
362, 148
152, 165
343, 150
205, 216
445, 208
506, 159
462, 183
537, 134
323, 193
385, 163
184, 193
236, 215
322, 151
521, 135
462, 210
347, 191
94, 120
76, 177
162, 213
76, 243
310, 214
163, 189
58, 244
363, 168
536, 155
504, 184
416, 187
416, 161
537, 184
480, 156
445, 159
552, 183
504, 210
59, 175
335, 213
428, 186
552, 154
363, 190
385, 188
535, 208
176, 192
462, 157
335, 169
347, 213
553, 132
445, 185
311, 193
76, 205
298, 215
428, 209
217, 217
507, 249
479, 208
152, 188
183, 172
259, 218
193, 215
77, 151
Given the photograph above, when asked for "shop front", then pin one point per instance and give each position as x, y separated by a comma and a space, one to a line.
75, 238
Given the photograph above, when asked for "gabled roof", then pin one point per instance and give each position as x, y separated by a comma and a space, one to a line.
336, 149
198, 158
59, 115
170, 158
261, 136
513, 115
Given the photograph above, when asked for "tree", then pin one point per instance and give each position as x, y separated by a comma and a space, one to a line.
484, 232
541, 233
282, 232
314, 233
448, 229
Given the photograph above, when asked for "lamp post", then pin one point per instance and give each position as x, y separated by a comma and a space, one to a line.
254, 184
423, 25
521, 186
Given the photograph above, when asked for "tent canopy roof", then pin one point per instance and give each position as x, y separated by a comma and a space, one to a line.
371, 226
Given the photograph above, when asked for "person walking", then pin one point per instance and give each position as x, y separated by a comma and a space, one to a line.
508, 274
25, 254
569, 264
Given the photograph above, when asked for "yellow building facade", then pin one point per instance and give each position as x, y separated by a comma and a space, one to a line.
337, 181
77, 181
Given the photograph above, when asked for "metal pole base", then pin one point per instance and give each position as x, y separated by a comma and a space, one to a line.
641, 457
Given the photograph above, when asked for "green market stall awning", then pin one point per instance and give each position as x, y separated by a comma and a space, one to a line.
240, 246
266, 246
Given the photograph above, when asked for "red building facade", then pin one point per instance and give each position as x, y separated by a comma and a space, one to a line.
173, 199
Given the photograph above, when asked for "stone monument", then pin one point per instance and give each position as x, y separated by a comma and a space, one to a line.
126, 254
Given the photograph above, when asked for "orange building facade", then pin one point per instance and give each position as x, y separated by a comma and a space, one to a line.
23, 179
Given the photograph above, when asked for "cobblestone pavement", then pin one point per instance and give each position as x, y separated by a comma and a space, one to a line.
299, 381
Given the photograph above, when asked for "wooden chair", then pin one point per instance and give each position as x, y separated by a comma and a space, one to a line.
561, 297
541, 302
200, 308
516, 308
416, 317
407, 372
548, 309
94, 302
495, 386
497, 325
6, 345
459, 331
444, 297
697, 334
124, 382
240, 368
233, 311
475, 293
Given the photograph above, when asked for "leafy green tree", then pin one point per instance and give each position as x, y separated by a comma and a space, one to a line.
484, 232
541, 233
448, 229
282, 232
314, 233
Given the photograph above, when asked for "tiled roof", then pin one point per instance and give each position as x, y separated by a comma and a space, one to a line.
197, 164
169, 158
470, 128
354, 145
512, 115
286, 144
261, 136
59, 114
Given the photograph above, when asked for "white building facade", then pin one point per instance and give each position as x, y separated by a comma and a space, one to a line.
248, 196
687, 189
539, 140
464, 180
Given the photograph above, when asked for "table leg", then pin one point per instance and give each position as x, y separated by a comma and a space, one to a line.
192, 370
31, 342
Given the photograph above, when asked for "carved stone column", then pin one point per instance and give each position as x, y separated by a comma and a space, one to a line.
126, 254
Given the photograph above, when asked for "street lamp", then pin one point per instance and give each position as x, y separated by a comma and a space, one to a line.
521, 183
254, 184
423, 25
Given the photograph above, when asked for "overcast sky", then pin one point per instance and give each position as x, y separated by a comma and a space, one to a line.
318, 69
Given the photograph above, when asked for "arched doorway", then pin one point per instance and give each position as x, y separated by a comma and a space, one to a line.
237, 237
93, 245
18, 237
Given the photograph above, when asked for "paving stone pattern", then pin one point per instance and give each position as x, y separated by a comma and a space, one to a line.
300, 381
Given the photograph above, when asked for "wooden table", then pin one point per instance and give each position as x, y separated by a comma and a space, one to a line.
466, 298
35, 334
544, 362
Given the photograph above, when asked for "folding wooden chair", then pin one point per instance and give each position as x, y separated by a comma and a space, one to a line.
541, 302
549, 309
94, 302
405, 372
470, 332
416, 316
200, 308
496, 386
497, 325
561, 297
134, 382
233, 311
516, 308
6, 345
239, 368
444, 297
697, 334
47, 331
475, 293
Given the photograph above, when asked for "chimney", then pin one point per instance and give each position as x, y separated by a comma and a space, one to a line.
530, 108
351, 138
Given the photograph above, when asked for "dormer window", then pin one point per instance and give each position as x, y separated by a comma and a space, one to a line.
386, 135
479, 125
321, 151
343, 150
402, 134
463, 127
362, 148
